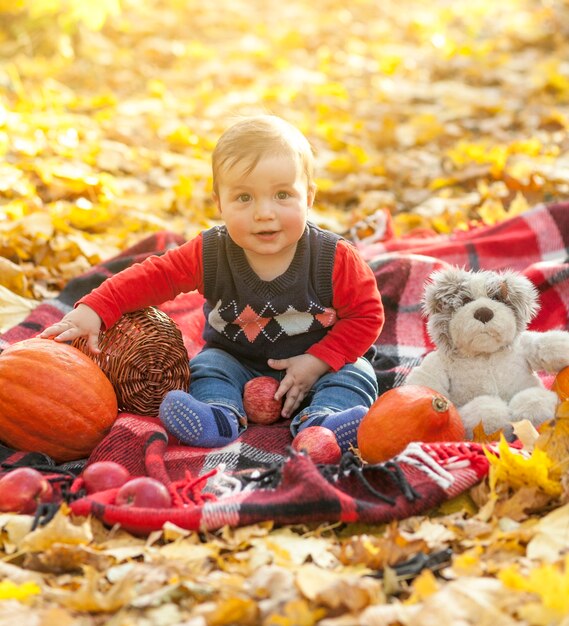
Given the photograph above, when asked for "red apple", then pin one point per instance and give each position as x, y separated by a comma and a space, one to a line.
22, 489
259, 400
144, 492
320, 444
104, 475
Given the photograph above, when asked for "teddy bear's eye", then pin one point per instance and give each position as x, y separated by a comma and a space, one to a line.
498, 297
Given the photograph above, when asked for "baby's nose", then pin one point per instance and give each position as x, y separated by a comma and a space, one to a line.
483, 314
263, 211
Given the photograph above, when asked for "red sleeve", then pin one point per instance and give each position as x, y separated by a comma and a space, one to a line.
359, 310
150, 283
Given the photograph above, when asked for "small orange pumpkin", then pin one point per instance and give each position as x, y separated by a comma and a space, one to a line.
561, 383
53, 399
405, 414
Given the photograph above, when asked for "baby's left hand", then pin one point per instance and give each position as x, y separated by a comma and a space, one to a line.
302, 371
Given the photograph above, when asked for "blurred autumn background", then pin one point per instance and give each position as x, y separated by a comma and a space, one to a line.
447, 113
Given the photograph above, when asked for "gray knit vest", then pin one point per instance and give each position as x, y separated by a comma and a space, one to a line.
255, 320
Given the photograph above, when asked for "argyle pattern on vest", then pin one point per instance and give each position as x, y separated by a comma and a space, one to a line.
253, 319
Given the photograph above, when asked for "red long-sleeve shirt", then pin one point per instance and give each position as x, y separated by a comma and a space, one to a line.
356, 299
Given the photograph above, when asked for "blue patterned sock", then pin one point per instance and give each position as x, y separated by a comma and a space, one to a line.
196, 423
343, 424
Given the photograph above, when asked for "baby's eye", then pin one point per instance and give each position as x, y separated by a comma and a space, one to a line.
283, 195
244, 197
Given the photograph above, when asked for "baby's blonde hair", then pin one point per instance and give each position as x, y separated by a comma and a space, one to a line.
253, 138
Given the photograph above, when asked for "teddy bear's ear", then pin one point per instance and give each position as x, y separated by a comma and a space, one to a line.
520, 293
442, 289
431, 302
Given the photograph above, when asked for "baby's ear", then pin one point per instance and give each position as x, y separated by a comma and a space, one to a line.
216, 200
311, 195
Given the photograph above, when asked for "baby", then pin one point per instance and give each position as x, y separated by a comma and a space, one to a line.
283, 298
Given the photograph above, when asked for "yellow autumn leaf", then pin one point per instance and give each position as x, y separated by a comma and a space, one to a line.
184, 188
389, 64
423, 586
515, 468
492, 211
465, 153
184, 136
296, 613
12, 591
86, 215
11, 6
334, 89
518, 205
554, 77
554, 441
233, 610
341, 164
91, 14
359, 154
469, 562
426, 127
550, 582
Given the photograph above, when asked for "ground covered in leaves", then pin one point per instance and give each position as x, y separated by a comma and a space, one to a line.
445, 113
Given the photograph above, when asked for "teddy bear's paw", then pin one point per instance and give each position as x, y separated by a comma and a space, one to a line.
534, 404
491, 411
547, 351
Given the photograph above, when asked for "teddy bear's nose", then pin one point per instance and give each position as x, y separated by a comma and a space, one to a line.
483, 314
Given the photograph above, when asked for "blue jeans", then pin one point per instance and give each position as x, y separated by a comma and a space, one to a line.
216, 377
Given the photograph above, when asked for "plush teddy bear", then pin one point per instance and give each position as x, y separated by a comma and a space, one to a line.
485, 360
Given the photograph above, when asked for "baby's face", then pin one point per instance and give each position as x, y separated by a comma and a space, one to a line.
265, 210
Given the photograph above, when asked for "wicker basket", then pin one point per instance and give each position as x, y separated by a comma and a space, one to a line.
144, 357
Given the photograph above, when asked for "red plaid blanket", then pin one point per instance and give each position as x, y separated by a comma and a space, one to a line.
258, 477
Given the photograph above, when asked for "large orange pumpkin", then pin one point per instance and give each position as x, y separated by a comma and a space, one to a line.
53, 399
405, 414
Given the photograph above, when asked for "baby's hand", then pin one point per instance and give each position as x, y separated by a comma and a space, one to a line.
80, 322
302, 371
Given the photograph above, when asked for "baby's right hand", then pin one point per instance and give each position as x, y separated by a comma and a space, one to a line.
81, 322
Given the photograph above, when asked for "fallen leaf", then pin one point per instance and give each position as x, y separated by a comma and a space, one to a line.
479, 435
518, 470
527, 434
296, 612
521, 503
291, 548
18, 591
554, 441
94, 595
549, 582
13, 308
551, 536
346, 589
378, 552
59, 530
